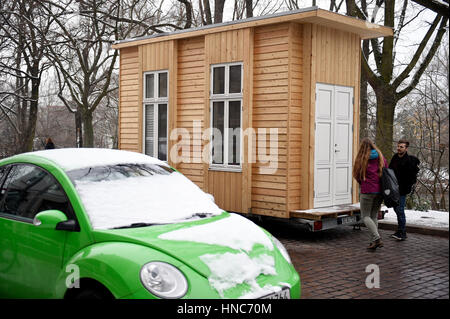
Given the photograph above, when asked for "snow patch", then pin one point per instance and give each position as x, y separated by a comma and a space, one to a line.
430, 218
76, 158
229, 270
153, 199
235, 231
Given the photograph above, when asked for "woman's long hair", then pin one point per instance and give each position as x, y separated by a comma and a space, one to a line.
362, 160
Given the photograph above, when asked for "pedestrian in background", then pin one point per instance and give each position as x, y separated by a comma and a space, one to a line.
367, 171
49, 144
405, 167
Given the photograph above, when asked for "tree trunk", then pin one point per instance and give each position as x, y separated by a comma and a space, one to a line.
249, 8
88, 130
218, 10
78, 129
364, 103
207, 9
385, 122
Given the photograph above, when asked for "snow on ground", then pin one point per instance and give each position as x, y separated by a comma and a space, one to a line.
430, 218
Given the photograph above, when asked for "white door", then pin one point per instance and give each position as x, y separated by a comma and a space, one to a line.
333, 145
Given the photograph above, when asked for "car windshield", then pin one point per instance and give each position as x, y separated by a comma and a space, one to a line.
136, 195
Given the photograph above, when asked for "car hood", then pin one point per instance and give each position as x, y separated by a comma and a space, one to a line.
200, 244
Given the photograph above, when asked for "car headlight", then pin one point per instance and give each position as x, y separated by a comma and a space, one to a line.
163, 280
282, 249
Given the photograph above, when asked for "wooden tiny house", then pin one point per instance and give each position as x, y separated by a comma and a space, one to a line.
297, 73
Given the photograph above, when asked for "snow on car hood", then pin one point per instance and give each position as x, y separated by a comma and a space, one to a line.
235, 231
230, 269
229, 250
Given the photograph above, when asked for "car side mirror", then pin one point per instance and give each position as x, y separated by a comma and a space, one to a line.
49, 219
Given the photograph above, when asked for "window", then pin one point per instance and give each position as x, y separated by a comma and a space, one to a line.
3, 171
226, 111
155, 114
30, 190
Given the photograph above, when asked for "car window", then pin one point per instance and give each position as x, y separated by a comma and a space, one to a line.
130, 194
2, 175
30, 190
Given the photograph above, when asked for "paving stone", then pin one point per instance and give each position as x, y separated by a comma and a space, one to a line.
332, 263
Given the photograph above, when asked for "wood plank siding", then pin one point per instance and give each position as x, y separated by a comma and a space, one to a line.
191, 104
130, 114
296, 69
230, 189
271, 100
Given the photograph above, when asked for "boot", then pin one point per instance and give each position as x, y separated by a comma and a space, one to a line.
375, 244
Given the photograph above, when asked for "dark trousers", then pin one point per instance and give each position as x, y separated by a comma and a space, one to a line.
401, 218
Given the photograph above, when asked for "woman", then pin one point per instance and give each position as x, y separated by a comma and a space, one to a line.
49, 145
367, 171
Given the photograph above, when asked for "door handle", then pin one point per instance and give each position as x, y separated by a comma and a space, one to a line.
335, 149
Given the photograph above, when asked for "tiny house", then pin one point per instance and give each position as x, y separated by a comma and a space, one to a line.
262, 113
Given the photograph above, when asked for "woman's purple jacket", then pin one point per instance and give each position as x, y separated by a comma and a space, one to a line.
372, 184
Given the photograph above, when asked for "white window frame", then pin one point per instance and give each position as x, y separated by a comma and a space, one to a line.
156, 101
226, 98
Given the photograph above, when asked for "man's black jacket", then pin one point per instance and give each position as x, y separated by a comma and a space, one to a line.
406, 169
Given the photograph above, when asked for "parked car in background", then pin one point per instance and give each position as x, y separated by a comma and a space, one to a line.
99, 223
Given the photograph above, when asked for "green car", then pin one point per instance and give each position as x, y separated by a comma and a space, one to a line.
99, 223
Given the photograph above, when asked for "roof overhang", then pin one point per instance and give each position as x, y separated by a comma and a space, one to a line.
313, 15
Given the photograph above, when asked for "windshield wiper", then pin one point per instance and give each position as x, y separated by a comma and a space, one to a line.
198, 215
135, 225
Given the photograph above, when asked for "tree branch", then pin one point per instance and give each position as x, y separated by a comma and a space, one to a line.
427, 60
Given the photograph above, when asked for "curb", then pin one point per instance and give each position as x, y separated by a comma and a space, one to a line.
424, 230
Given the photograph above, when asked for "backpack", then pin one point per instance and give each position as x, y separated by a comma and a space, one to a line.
389, 188
414, 166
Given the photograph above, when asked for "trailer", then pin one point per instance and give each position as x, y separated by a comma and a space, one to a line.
262, 113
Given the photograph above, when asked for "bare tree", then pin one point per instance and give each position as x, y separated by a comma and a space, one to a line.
424, 119
206, 15
389, 87
24, 30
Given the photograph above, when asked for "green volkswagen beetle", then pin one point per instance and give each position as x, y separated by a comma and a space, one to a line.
99, 223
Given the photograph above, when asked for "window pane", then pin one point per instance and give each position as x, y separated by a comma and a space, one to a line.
149, 129
162, 87
31, 190
162, 132
218, 132
219, 80
234, 132
235, 79
149, 86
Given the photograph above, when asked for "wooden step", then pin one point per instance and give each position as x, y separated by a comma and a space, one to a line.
325, 212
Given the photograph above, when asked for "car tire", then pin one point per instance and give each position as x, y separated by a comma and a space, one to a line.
94, 294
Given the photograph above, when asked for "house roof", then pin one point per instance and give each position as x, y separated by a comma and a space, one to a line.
314, 15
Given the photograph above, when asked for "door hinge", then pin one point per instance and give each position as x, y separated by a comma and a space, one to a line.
353, 101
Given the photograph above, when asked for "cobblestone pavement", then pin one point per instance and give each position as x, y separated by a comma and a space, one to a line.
332, 264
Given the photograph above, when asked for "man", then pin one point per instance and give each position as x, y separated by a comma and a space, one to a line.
405, 167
